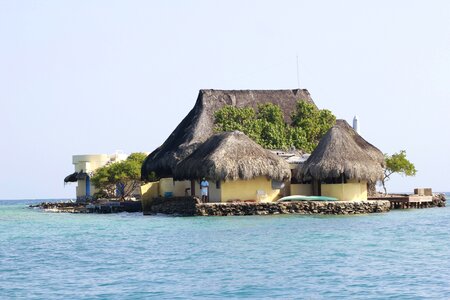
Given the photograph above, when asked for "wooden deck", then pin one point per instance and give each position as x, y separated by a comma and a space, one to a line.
407, 201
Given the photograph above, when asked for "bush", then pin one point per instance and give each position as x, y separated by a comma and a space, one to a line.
266, 125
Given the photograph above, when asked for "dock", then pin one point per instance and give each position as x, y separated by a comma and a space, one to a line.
407, 201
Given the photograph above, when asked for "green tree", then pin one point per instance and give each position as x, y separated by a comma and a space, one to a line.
266, 125
273, 136
297, 138
231, 118
273, 132
123, 176
270, 113
314, 123
397, 163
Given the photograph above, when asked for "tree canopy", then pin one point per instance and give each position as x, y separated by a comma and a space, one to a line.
397, 163
267, 127
119, 179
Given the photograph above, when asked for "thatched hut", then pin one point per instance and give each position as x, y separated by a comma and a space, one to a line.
198, 125
236, 168
342, 164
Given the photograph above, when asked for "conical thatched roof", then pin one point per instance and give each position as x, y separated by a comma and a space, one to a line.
232, 156
370, 149
342, 151
198, 125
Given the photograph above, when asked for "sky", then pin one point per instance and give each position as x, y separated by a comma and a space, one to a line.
86, 77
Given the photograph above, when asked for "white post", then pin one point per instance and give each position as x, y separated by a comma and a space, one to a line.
356, 124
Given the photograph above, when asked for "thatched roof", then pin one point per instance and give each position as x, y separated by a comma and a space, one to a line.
232, 156
342, 151
370, 149
71, 177
74, 177
198, 125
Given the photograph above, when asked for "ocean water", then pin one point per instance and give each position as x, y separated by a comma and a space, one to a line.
404, 254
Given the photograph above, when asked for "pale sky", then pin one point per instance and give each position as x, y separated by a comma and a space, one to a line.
86, 77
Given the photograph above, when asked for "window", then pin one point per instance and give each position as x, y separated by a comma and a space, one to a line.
277, 185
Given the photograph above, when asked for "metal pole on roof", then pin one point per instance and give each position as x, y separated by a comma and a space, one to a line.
298, 76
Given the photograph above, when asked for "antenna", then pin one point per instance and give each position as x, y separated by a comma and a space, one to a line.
298, 77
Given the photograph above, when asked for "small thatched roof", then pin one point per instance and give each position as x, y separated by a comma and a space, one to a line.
370, 149
198, 125
342, 151
71, 177
74, 177
232, 156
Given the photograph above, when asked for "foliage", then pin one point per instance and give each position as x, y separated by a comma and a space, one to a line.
271, 113
137, 157
397, 163
122, 177
267, 127
314, 122
297, 138
231, 118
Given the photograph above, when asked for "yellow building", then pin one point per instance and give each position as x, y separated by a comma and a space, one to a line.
341, 166
260, 189
85, 165
236, 168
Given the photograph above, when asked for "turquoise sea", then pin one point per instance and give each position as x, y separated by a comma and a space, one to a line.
404, 254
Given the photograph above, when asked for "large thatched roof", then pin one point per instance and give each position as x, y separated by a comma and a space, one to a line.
342, 151
198, 125
231, 156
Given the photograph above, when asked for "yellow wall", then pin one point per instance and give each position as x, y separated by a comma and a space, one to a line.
150, 190
229, 190
346, 191
179, 188
165, 186
259, 189
215, 194
301, 189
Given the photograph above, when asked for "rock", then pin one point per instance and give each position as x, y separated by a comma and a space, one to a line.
439, 200
189, 206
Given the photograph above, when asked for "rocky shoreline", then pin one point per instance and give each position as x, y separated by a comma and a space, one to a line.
300, 207
192, 206
100, 207
67, 207
439, 200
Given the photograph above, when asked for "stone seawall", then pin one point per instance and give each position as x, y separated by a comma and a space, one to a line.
191, 206
185, 206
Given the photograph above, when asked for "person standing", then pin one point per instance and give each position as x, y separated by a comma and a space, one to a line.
204, 187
